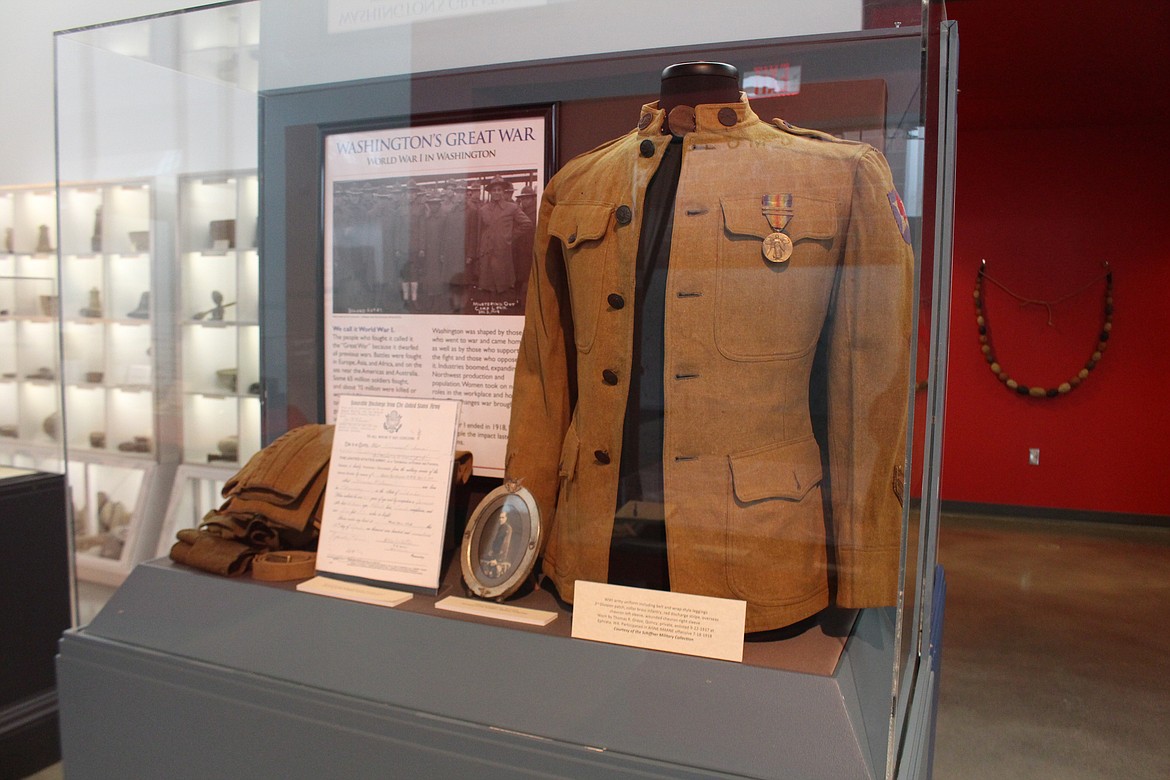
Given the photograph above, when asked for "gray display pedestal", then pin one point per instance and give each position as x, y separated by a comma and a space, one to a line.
185, 674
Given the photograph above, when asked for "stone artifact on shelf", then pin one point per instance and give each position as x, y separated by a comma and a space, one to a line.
113, 527
223, 234
140, 240
137, 444
9, 247
229, 450
48, 305
44, 245
228, 378
143, 310
215, 312
95, 241
94, 307
97, 440
51, 425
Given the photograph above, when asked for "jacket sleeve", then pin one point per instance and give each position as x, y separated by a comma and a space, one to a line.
543, 389
868, 389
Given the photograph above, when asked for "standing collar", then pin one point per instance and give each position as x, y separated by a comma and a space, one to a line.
709, 117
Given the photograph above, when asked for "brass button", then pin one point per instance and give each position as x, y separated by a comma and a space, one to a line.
728, 117
624, 215
609, 376
645, 121
572, 237
646, 148
681, 120
602, 456
615, 301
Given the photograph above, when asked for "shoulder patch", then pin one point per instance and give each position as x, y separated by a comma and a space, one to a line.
900, 219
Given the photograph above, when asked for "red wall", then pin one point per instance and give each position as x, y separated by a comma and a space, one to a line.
1055, 175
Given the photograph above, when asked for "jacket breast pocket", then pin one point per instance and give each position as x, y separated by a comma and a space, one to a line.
774, 309
776, 543
582, 228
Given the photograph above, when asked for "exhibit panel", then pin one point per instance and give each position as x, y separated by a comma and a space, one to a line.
622, 366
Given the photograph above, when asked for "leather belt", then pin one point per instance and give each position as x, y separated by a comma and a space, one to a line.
281, 566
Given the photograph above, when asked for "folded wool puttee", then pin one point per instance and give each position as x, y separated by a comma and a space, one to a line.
212, 553
258, 532
301, 514
280, 473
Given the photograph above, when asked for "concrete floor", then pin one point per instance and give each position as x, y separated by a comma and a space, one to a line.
1056, 652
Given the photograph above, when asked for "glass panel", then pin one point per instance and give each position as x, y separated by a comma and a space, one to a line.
769, 418
32, 432
720, 321
158, 192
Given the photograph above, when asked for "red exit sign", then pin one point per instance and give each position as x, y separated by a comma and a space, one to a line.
772, 80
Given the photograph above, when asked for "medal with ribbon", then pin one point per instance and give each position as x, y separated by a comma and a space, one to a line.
777, 209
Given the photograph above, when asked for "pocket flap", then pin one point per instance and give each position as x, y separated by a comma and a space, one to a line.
574, 222
788, 471
811, 218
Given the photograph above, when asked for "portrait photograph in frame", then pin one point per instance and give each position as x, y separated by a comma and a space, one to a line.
500, 542
428, 224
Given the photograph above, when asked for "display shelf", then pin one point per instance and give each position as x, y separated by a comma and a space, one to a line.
112, 504
77, 369
106, 316
28, 218
218, 313
86, 307
30, 412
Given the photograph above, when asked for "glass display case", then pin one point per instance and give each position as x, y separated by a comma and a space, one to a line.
694, 327
31, 429
157, 191
219, 311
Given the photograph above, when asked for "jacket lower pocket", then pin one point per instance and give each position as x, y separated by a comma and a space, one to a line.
775, 531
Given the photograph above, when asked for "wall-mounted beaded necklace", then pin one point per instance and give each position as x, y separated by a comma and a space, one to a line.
985, 342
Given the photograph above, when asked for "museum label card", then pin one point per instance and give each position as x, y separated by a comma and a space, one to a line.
659, 620
354, 591
489, 609
388, 490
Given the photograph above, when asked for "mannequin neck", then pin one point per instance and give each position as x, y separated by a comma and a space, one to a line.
696, 83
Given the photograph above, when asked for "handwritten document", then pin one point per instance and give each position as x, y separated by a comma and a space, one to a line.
389, 485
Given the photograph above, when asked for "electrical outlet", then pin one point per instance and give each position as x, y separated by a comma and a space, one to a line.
1033, 456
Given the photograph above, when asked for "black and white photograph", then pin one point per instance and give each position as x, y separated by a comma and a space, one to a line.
428, 233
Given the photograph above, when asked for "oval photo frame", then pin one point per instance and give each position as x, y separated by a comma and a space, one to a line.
501, 542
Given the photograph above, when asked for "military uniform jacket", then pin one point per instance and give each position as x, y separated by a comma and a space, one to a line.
745, 481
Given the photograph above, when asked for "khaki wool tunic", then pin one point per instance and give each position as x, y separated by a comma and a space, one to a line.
750, 512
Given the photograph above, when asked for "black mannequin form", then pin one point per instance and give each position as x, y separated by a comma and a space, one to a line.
696, 83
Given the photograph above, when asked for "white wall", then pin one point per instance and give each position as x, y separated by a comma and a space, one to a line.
26, 74
320, 41
300, 48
